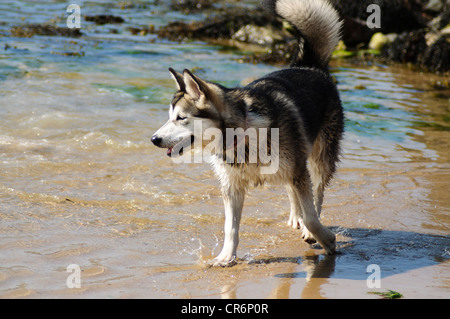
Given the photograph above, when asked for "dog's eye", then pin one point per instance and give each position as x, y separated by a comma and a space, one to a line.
181, 118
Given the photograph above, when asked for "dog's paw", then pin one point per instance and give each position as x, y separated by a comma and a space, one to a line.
330, 247
294, 222
309, 240
329, 242
307, 236
223, 261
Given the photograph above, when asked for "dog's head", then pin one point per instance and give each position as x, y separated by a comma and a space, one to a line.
195, 100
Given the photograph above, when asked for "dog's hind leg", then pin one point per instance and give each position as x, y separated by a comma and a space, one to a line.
303, 188
318, 184
322, 165
320, 176
233, 199
295, 217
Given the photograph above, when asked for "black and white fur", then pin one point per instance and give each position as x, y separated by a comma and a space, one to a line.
301, 101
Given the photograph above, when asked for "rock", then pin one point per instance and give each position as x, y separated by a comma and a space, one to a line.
223, 26
411, 47
378, 41
29, 30
396, 15
406, 47
446, 30
436, 57
440, 21
431, 37
436, 5
279, 54
258, 35
102, 19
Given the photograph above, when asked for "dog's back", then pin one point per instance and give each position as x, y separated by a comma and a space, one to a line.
296, 94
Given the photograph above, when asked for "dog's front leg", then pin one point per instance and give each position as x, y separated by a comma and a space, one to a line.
233, 199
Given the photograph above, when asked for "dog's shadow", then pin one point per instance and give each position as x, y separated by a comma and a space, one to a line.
394, 252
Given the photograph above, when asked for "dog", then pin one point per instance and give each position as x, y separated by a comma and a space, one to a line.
300, 104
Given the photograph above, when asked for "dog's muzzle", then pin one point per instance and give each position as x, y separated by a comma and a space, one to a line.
158, 141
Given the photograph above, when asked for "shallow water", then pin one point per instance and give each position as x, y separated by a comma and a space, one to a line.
81, 183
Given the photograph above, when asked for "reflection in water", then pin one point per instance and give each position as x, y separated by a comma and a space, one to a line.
317, 270
396, 253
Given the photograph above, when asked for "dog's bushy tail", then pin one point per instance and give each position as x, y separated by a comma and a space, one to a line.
318, 25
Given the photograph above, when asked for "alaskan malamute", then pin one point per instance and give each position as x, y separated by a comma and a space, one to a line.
299, 105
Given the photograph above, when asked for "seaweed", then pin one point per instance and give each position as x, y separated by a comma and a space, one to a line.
390, 294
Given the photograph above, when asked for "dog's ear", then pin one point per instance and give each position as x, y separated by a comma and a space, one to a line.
195, 86
179, 79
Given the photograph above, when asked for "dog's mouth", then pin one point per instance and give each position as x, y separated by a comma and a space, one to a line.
177, 149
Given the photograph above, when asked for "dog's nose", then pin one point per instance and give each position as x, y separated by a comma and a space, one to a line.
156, 140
